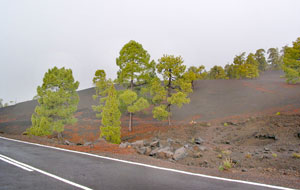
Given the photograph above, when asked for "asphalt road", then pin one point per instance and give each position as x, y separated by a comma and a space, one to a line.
46, 168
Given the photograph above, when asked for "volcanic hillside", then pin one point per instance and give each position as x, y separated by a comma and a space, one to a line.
211, 100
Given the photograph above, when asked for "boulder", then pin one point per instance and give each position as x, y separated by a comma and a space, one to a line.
141, 150
164, 153
148, 150
154, 143
138, 144
153, 152
180, 153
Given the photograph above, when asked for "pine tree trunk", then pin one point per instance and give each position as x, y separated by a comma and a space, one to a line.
130, 122
130, 114
169, 95
192, 84
60, 137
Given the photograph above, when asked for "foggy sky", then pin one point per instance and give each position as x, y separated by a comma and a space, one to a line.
85, 36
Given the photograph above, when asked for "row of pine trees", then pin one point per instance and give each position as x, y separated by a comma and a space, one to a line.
143, 83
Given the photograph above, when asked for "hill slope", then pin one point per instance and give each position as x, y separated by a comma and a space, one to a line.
211, 100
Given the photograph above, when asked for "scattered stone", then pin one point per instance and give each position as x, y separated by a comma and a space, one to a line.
87, 144
148, 150
124, 145
146, 143
164, 153
202, 148
170, 141
266, 149
141, 150
153, 152
198, 140
67, 142
232, 123
193, 122
266, 157
138, 144
265, 136
155, 143
234, 161
197, 155
180, 153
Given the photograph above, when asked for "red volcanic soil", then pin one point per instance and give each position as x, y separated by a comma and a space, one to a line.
212, 100
253, 111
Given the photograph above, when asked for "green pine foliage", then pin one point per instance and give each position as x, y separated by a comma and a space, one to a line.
173, 90
135, 73
195, 73
57, 100
291, 61
274, 59
243, 67
261, 59
217, 72
102, 86
251, 66
110, 128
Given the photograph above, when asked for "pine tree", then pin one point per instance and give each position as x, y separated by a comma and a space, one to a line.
243, 67
135, 73
111, 115
274, 58
251, 67
102, 86
261, 59
194, 73
217, 72
291, 59
58, 101
173, 91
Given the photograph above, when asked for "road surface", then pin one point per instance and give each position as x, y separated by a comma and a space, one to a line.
29, 166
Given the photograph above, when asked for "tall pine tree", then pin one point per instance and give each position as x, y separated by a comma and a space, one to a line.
175, 87
291, 61
57, 100
110, 128
135, 73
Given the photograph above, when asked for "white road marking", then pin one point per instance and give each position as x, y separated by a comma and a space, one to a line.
15, 164
155, 167
43, 172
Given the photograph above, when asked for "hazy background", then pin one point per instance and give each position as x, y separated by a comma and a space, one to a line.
85, 36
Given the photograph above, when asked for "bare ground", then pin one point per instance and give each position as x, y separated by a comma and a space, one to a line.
236, 118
